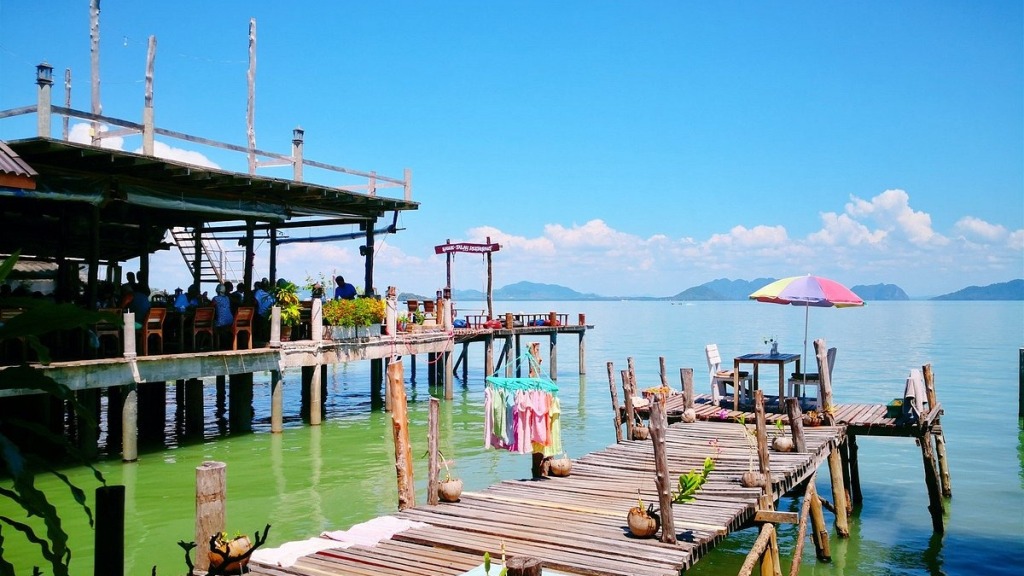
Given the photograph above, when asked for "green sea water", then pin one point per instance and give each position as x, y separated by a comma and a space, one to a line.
311, 479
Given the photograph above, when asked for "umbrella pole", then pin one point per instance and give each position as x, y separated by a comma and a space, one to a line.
803, 373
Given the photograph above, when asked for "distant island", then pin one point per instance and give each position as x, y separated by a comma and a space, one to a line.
724, 289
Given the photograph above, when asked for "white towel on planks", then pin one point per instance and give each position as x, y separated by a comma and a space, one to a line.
372, 531
368, 533
289, 552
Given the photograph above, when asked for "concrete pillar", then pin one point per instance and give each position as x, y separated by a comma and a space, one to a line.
276, 402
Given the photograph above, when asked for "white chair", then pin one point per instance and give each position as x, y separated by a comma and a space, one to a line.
721, 378
798, 383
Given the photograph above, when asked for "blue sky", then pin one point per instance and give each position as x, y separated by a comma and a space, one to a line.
612, 147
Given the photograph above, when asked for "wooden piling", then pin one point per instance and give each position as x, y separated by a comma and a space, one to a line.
130, 425
488, 355
240, 402
109, 538
194, 413
937, 434
931, 480
662, 372
761, 551
855, 494
819, 531
523, 566
276, 402
801, 532
432, 369
630, 411
835, 468
844, 459
400, 429
767, 501
582, 349
553, 355
449, 376
616, 417
659, 422
89, 429
796, 424
534, 351
433, 429
211, 495
464, 360
686, 376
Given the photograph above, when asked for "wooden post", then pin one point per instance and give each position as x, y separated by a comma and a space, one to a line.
940, 437
109, 539
211, 493
628, 399
506, 352
856, 495
761, 551
821, 351
298, 137
835, 468
509, 321
276, 402
796, 424
240, 402
147, 109
130, 425
250, 109
490, 285
523, 566
449, 375
767, 494
801, 533
316, 402
432, 441
931, 480
616, 416
94, 61
400, 429
632, 373
582, 355
686, 376
819, 531
659, 423
464, 358
432, 369
662, 371
488, 354
553, 356
844, 459
194, 413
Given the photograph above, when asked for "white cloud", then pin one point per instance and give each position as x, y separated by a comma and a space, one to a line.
82, 133
891, 211
842, 229
976, 228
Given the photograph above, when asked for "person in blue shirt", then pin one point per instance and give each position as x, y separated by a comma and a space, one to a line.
344, 290
222, 316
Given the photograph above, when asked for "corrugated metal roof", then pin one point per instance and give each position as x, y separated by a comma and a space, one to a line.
11, 163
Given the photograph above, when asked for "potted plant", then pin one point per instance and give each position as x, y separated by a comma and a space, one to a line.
402, 321
340, 315
561, 466
229, 556
286, 295
692, 482
369, 314
643, 523
449, 489
781, 442
812, 418
751, 478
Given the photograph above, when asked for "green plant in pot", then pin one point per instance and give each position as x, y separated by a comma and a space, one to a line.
286, 295
340, 312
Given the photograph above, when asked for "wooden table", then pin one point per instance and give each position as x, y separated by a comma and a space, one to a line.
779, 360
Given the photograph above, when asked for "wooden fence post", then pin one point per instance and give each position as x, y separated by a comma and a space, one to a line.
767, 501
400, 428
659, 423
616, 416
630, 411
940, 438
109, 540
796, 425
211, 493
432, 440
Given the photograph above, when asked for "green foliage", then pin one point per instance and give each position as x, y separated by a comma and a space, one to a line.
691, 482
358, 312
39, 317
286, 294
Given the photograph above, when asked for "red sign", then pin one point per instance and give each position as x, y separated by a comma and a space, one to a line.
466, 247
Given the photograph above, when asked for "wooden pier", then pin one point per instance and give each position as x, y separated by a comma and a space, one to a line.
577, 524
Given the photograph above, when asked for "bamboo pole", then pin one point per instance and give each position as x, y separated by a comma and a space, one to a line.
628, 399
659, 423
940, 437
211, 493
250, 109
616, 416
759, 552
432, 441
835, 469
400, 429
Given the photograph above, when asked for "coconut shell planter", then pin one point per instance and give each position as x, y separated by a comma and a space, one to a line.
643, 523
450, 490
561, 466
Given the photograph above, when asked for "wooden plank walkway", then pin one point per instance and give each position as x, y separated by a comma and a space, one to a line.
577, 524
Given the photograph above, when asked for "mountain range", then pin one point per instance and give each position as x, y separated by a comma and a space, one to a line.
725, 289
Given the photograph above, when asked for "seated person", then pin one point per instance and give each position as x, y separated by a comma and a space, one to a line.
139, 303
344, 290
222, 316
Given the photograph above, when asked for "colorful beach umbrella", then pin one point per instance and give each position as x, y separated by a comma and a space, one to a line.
808, 291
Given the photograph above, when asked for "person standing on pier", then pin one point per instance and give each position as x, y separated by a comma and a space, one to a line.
344, 290
222, 316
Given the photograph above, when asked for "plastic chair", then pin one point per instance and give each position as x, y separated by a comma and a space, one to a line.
108, 329
153, 326
202, 323
242, 323
721, 378
798, 383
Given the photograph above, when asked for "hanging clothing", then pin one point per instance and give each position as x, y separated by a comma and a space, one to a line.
519, 415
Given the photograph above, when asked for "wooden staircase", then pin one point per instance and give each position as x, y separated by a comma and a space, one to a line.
216, 263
